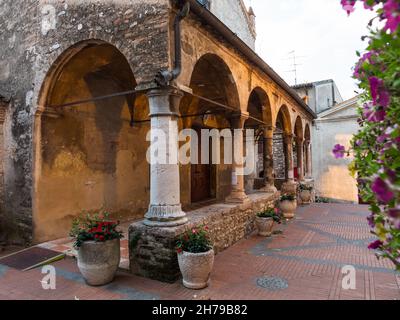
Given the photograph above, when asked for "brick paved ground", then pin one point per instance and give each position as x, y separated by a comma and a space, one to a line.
305, 262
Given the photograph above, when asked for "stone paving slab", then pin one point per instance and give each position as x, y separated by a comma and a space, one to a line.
305, 262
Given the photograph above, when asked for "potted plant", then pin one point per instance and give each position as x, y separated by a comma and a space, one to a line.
305, 193
195, 257
97, 241
288, 205
265, 221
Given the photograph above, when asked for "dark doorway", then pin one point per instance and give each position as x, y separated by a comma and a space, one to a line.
202, 176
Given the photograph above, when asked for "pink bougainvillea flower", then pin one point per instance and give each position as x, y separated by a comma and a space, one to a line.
375, 245
382, 138
371, 221
382, 190
348, 5
380, 96
394, 213
377, 116
339, 151
392, 13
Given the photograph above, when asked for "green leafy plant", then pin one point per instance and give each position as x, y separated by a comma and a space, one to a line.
305, 187
273, 213
97, 227
322, 200
196, 240
288, 197
376, 147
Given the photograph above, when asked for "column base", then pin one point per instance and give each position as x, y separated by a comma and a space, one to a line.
238, 197
270, 188
289, 187
165, 216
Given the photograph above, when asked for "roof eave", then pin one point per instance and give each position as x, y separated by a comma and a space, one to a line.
249, 53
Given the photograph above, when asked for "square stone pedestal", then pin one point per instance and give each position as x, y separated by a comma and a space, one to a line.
152, 250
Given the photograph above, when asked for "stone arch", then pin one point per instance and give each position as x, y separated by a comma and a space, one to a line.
307, 132
298, 149
283, 119
282, 128
258, 107
298, 128
212, 79
85, 155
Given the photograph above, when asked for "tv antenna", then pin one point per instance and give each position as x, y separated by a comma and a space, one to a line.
294, 58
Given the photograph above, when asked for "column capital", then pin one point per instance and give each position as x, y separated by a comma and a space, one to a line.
299, 140
288, 138
268, 132
164, 101
238, 119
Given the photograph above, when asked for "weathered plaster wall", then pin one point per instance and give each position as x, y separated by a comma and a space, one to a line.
35, 34
233, 14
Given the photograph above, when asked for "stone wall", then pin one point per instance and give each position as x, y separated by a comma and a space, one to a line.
234, 14
152, 250
279, 157
3, 108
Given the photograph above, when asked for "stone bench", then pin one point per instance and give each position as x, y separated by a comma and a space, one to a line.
152, 250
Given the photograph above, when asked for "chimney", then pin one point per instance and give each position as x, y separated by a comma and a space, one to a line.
252, 17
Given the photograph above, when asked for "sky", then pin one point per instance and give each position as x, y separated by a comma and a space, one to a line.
324, 38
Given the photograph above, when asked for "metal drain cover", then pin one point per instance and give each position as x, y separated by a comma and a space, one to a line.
272, 283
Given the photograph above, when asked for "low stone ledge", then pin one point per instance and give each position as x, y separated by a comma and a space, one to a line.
152, 251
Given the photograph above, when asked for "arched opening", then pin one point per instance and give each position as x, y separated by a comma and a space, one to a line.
88, 157
259, 109
211, 79
298, 150
282, 128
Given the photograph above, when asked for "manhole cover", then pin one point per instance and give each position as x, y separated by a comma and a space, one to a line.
272, 283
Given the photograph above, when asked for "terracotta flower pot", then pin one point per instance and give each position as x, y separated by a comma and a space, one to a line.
288, 208
264, 226
196, 268
98, 261
305, 196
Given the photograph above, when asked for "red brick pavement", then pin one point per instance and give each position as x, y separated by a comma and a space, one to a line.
305, 262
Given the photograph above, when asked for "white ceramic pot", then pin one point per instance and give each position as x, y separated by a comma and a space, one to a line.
196, 268
264, 226
305, 196
288, 208
98, 261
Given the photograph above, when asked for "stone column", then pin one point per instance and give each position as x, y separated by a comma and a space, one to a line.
289, 187
238, 194
308, 158
165, 208
288, 140
300, 159
269, 177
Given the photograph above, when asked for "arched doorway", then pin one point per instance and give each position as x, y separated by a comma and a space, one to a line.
283, 159
88, 157
213, 80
